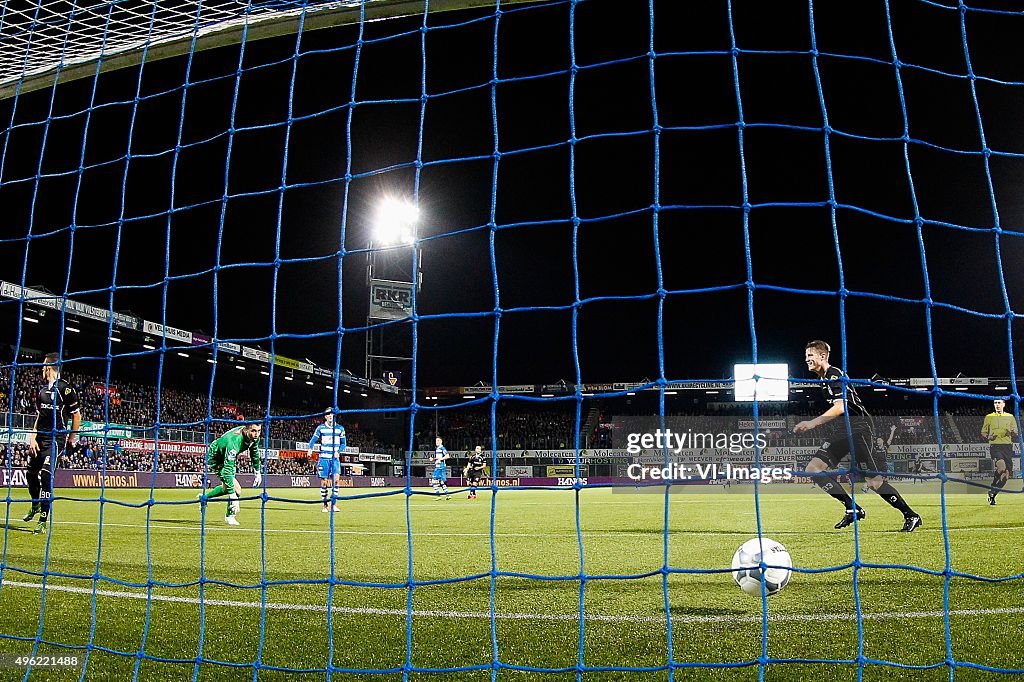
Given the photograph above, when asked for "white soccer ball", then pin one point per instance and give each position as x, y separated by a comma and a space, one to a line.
746, 566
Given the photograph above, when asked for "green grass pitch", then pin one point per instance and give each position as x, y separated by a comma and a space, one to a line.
537, 621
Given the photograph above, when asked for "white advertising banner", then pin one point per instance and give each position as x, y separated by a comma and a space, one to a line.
172, 333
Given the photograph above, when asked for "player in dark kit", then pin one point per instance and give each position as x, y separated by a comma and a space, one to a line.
474, 470
828, 457
56, 403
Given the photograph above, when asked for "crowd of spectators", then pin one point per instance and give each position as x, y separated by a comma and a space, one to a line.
14, 456
544, 426
960, 424
134, 404
88, 455
516, 429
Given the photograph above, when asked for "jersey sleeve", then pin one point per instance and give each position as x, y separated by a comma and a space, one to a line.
834, 385
342, 442
254, 455
316, 437
212, 452
986, 426
70, 399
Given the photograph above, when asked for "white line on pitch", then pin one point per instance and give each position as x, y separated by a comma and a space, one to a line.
571, 617
214, 525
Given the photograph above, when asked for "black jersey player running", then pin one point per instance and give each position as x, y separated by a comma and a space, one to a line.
57, 404
828, 457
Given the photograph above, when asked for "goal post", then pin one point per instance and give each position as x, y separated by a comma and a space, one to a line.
41, 49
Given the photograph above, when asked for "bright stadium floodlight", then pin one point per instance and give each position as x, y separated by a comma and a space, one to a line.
395, 222
761, 382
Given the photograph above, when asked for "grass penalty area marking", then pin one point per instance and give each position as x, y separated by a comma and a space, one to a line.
216, 525
562, 617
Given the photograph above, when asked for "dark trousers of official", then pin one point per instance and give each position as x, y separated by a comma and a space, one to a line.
40, 475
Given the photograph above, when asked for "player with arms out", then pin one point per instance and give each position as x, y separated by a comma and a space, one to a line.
1000, 430
439, 479
55, 404
474, 470
831, 454
328, 467
222, 460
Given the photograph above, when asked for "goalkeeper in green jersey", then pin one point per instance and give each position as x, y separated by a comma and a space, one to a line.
222, 459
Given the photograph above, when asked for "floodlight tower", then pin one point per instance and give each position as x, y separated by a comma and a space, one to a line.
393, 271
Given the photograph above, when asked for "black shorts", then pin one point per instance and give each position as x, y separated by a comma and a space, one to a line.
1002, 451
45, 457
866, 459
474, 477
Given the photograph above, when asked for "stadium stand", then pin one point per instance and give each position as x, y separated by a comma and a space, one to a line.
134, 404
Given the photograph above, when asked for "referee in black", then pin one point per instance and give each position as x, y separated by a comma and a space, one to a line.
56, 404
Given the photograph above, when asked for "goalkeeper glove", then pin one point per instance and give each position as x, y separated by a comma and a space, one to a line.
257, 480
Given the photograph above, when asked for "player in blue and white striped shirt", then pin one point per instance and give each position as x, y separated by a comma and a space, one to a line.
440, 475
332, 444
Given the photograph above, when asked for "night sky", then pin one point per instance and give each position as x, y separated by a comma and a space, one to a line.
611, 182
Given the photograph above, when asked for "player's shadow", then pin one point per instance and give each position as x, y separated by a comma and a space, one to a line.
21, 529
658, 531
706, 611
210, 516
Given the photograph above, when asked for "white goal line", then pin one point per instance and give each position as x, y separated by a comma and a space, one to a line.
214, 524
560, 617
